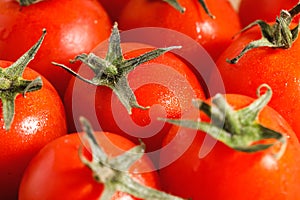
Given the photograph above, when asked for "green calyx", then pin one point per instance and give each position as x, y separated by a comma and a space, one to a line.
28, 2
238, 129
175, 4
278, 35
113, 172
114, 69
12, 83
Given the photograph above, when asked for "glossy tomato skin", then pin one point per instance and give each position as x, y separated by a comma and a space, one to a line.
166, 84
39, 118
114, 7
279, 68
226, 174
65, 177
213, 34
73, 27
267, 10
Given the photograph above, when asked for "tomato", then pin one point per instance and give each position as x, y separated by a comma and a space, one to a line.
211, 170
214, 34
267, 10
73, 27
113, 7
58, 176
277, 67
166, 84
39, 118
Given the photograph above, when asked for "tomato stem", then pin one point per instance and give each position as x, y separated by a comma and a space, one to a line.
204, 6
238, 129
278, 35
12, 83
113, 172
175, 4
28, 2
113, 71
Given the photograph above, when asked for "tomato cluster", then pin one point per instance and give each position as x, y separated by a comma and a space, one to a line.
87, 113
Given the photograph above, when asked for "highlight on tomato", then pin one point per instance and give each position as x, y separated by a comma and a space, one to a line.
98, 165
32, 114
253, 153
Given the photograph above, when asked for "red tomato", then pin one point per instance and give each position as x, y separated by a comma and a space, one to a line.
57, 172
73, 27
224, 173
39, 118
214, 34
276, 67
267, 10
114, 7
166, 84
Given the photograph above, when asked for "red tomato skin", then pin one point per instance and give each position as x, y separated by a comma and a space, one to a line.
75, 27
279, 68
39, 118
213, 34
114, 7
267, 10
166, 82
65, 177
228, 174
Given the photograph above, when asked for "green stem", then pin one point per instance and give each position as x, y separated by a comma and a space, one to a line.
113, 172
204, 6
238, 129
28, 2
278, 35
175, 4
12, 83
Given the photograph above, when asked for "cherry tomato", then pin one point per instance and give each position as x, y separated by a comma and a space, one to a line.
267, 10
166, 84
39, 118
211, 170
59, 173
275, 66
214, 34
73, 27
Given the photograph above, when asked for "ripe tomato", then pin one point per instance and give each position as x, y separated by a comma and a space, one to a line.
275, 66
166, 84
75, 27
39, 118
58, 176
211, 170
113, 7
214, 34
267, 10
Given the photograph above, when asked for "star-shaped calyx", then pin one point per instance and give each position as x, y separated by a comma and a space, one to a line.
112, 71
12, 83
238, 129
113, 172
278, 35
